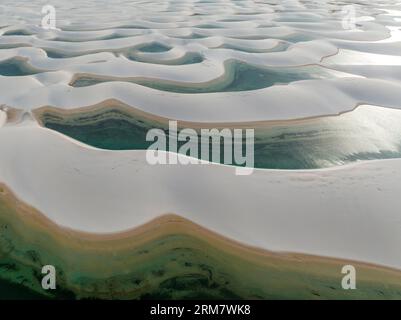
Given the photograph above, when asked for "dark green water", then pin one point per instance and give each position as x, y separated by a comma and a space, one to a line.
15, 67
173, 266
54, 54
112, 130
13, 45
192, 36
14, 291
208, 26
293, 38
154, 47
240, 77
177, 263
17, 33
366, 133
189, 58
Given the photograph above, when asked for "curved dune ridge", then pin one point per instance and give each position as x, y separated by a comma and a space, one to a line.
168, 257
76, 101
94, 190
191, 54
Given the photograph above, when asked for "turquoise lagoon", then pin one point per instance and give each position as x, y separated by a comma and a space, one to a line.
365, 133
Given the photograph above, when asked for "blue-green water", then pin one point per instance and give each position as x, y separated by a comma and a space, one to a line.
282, 46
188, 58
364, 134
192, 36
148, 48
71, 39
15, 67
240, 76
17, 33
55, 54
176, 262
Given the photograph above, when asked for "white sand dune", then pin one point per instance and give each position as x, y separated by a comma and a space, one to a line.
298, 100
350, 211
312, 35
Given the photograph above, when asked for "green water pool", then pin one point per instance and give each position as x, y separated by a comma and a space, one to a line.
364, 134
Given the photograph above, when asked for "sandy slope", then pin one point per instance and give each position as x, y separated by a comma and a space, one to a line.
247, 32
348, 212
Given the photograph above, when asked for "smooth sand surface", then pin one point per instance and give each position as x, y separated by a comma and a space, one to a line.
347, 212
169, 257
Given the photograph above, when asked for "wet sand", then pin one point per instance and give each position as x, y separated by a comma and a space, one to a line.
169, 257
